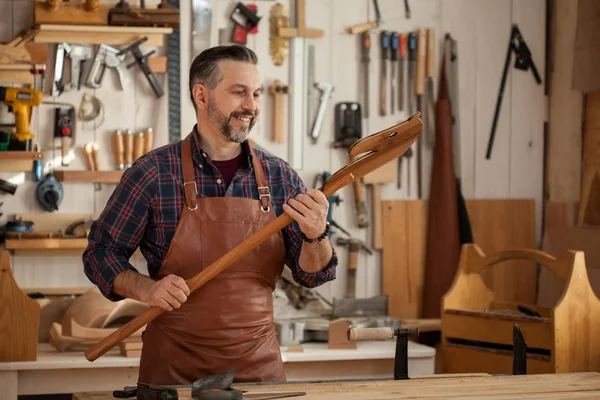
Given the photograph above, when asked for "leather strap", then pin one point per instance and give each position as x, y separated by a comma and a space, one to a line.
264, 193
189, 181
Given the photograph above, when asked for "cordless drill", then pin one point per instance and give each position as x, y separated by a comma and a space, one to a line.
19, 102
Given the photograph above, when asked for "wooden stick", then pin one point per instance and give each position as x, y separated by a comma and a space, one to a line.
381, 148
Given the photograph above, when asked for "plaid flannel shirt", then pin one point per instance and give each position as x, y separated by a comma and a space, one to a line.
144, 209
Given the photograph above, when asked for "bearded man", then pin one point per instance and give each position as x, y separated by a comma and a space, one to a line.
188, 203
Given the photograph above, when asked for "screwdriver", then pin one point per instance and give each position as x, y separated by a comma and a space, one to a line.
385, 44
394, 59
366, 41
401, 68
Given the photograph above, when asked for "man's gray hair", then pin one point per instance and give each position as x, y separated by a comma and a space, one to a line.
205, 71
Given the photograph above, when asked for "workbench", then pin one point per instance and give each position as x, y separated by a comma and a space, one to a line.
70, 372
581, 385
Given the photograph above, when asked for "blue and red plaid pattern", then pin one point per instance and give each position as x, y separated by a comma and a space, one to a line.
144, 209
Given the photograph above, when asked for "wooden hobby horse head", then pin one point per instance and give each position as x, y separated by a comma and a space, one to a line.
368, 154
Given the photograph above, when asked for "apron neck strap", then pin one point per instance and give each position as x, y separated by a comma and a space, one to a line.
189, 182
264, 193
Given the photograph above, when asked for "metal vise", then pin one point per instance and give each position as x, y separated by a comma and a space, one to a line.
77, 54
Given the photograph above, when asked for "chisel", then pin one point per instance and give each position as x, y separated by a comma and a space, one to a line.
412, 72
385, 44
394, 60
401, 77
366, 42
420, 90
430, 97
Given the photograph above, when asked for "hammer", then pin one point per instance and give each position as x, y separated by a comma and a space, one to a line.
354, 245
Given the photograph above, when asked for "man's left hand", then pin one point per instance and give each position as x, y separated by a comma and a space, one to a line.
310, 211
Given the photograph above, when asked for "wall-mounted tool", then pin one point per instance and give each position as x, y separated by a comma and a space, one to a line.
401, 70
366, 59
429, 89
138, 145
394, 44
20, 102
7, 187
64, 126
77, 54
148, 140
326, 89
334, 199
524, 62
420, 91
128, 148
106, 56
279, 90
412, 72
279, 47
163, 15
49, 193
360, 28
354, 246
91, 155
245, 22
119, 149
348, 129
141, 61
407, 12
385, 45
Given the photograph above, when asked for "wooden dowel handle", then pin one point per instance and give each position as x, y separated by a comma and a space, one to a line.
430, 52
357, 334
213, 270
421, 60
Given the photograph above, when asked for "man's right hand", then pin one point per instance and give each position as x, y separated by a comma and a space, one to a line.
169, 293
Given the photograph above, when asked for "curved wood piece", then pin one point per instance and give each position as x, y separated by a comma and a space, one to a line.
89, 310
125, 308
577, 323
19, 318
81, 332
382, 147
561, 266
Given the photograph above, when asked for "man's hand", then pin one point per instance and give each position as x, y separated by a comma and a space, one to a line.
310, 211
168, 293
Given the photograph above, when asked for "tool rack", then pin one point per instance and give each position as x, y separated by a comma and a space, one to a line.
476, 329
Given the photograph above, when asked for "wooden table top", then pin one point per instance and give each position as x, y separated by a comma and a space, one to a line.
584, 385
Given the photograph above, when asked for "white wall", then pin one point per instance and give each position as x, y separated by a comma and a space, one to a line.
482, 28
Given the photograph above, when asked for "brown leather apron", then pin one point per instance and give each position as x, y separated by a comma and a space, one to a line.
228, 322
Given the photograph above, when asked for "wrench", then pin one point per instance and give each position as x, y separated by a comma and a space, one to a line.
325, 89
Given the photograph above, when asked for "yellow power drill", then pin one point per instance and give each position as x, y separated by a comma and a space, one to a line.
19, 102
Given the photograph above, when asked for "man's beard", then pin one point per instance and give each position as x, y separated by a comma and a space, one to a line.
223, 122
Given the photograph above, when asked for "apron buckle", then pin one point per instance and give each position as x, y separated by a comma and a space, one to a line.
264, 208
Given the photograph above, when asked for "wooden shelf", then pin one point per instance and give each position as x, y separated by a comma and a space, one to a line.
16, 73
109, 35
43, 244
18, 161
89, 176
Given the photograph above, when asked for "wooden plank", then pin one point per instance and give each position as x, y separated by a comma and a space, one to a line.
501, 225
493, 27
589, 210
88, 176
404, 231
110, 35
563, 160
34, 244
527, 108
547, 386
496, 328
497, 225
458, 19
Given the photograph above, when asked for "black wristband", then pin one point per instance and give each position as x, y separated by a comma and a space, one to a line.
323, 235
